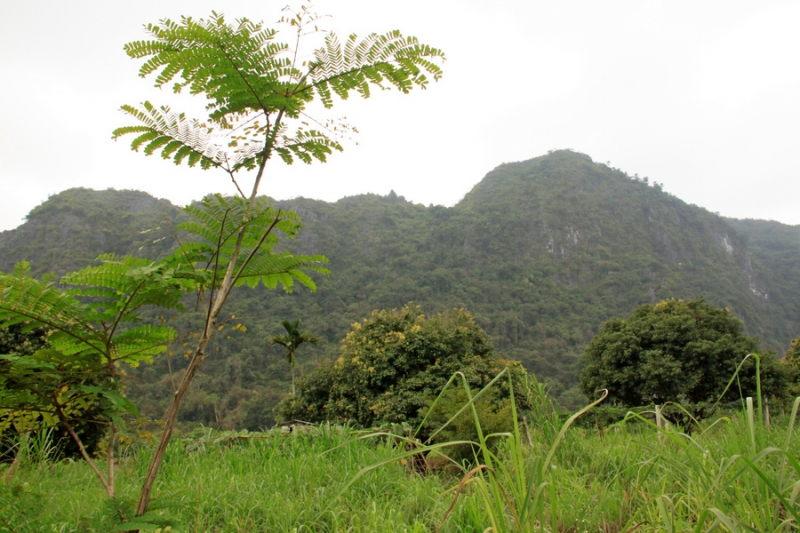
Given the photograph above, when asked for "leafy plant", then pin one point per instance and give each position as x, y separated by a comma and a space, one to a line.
257, 92
392, 365
93, 326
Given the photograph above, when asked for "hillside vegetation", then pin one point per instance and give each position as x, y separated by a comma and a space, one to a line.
541, 252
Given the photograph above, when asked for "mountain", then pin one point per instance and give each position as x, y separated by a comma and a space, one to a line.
542, 252
775, 249
70, 229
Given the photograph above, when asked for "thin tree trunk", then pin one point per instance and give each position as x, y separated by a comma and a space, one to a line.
186, 381
107, 484
293, 392
172, 415
211, 321
169, 425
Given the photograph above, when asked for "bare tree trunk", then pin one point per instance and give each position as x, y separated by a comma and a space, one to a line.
107, 484
293, 392
169, 425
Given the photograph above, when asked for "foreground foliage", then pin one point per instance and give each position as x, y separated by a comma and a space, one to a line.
732, 475
92, 325
90, 427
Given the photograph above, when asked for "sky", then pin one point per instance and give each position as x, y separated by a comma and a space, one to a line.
699, 96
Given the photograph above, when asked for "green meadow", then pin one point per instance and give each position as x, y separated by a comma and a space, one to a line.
738, 472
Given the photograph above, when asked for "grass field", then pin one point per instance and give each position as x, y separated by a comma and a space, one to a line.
734, 474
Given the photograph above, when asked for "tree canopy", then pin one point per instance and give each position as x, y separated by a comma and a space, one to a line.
392, 365
791, 361
675, 351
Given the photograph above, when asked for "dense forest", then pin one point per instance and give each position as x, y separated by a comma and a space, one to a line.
541, 252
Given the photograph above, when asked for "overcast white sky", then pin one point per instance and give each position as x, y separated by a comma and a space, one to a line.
703, 96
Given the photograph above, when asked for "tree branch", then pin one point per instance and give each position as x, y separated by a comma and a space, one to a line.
257, 247
62, 417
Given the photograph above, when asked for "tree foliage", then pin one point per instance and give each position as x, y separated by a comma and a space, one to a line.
225, 228
675, 351
254, 83
392, 365
92, 323
791, 361
92, 423
15, 340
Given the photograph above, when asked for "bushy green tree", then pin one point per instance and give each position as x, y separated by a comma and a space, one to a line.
675, 351
791, 362
393, 364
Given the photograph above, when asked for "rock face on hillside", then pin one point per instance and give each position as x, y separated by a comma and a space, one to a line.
542, 252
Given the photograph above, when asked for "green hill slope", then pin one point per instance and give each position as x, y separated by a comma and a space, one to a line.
542, 252
70, 229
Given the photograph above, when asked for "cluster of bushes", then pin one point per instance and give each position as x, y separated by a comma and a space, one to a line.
393, 366
686, 356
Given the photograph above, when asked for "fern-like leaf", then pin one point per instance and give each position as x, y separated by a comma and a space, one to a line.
215, 225
384, 61
246, 75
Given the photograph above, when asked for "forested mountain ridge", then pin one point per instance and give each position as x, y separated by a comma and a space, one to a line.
542, 252
72, 228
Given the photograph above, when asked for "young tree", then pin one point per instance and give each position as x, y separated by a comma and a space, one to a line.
257, 92
292, 340
674, 351
21, 340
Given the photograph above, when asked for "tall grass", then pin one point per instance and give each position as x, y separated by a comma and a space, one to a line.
281, 483
732, 474
735, 474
